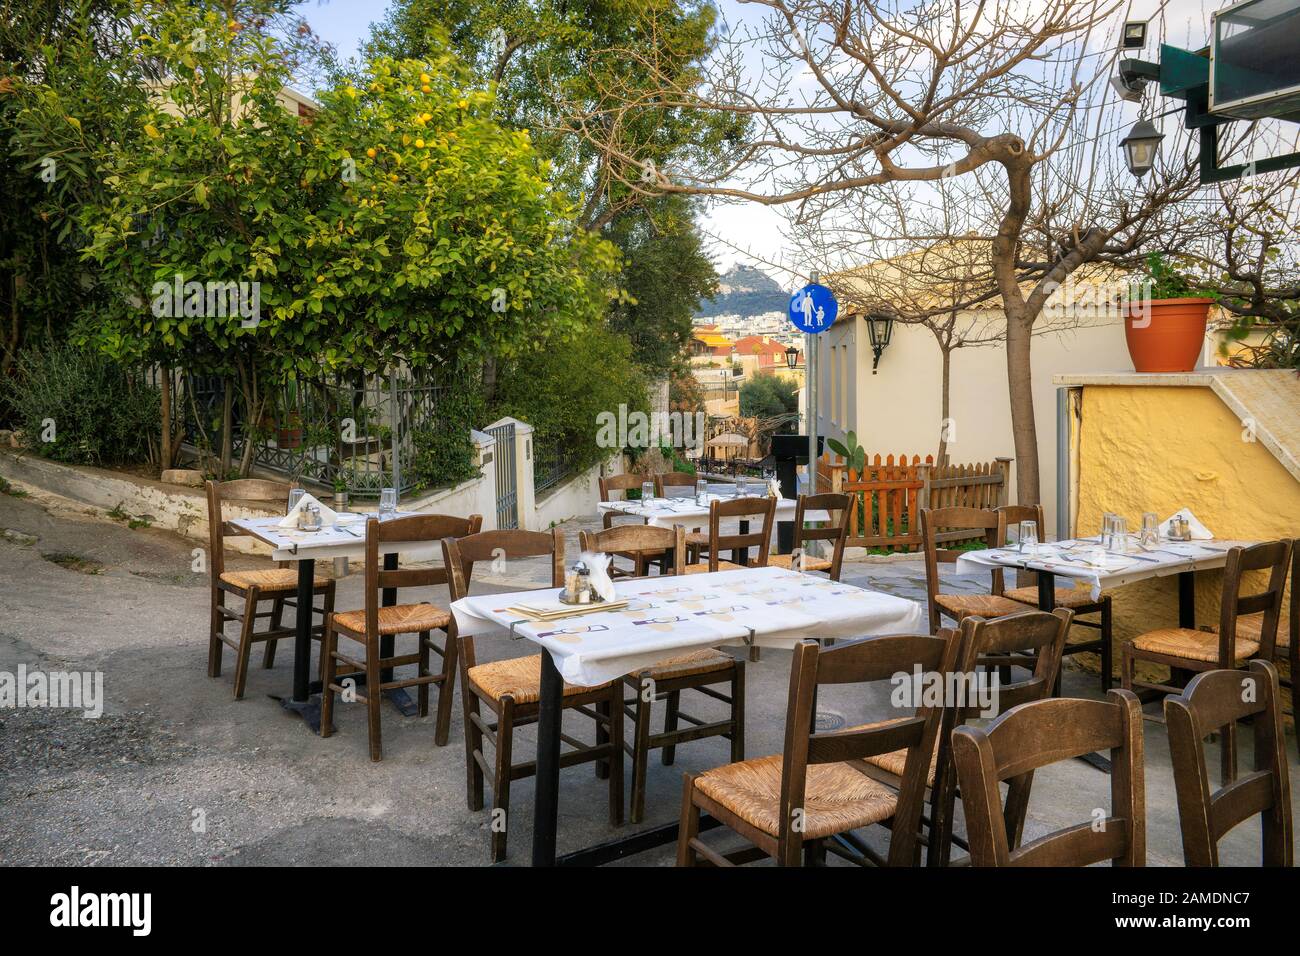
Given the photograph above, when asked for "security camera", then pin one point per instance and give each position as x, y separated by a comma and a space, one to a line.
1134, 35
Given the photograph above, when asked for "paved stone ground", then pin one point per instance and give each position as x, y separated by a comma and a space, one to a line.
174, 746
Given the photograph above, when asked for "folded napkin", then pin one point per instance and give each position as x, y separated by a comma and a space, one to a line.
327, 516
774, 487
598, 572
1199, 531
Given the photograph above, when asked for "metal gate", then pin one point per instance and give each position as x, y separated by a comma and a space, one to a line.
507, 490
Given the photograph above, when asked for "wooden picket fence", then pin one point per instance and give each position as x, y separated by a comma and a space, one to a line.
891, 491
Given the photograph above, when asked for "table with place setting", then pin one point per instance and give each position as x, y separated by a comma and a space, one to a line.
693, 511
650, 619
1113, 558
339, 535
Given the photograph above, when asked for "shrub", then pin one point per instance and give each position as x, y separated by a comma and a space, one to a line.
444, 450
94, 411
768, 396
563, 388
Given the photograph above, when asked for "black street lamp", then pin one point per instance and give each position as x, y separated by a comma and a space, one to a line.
1140, 147
792, 357
879, 328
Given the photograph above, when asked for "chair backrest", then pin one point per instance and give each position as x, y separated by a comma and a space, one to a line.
274, 494
1012, 515
1212, 700
1271, 556
674, 479
618, 483
835, 531
1044, 732
940, 525
415, 530
856, 662
985, 644
460, 554
643, 541
746, 508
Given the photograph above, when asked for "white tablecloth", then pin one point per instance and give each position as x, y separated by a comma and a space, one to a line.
666, 512
1083, 561
769, 607
346, 541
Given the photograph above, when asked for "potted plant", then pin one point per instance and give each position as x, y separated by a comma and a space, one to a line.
1164, 324
340, 491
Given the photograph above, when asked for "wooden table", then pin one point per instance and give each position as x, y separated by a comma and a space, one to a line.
306, 548
764, 607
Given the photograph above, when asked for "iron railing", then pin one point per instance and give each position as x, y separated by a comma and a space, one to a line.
354, 432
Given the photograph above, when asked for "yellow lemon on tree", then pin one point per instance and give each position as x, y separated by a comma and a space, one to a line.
371, 152
419, 144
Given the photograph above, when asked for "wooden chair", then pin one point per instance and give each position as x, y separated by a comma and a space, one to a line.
1286, 645
1034, 735
1224, 648
939, 525
1077, 600
609, 487
278, 585
980, 643
666, 679
372, 623
666, 483
1212, 699
788, 805
643, 544
836, 531
511, 689
716, 542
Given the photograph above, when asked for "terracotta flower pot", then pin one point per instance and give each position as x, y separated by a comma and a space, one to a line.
1170, 339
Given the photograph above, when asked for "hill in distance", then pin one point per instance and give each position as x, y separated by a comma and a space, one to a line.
744, 290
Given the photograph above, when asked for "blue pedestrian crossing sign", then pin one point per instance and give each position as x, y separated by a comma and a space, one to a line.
813, 309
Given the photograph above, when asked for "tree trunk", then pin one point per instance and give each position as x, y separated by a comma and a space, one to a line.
944, 418
227, 426
1020, 387
166, 444
1020, 327
489, 379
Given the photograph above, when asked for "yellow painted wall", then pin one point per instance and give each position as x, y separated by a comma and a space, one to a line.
1160, 449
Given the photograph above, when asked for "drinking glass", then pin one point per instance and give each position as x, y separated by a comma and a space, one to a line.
387, 503
701, 492
295, 496
1107, 530
1119, 535
1150, 528
1029, 537
647, 492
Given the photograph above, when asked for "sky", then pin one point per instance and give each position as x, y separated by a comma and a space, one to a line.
745, 232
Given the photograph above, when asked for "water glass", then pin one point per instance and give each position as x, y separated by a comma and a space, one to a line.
1119, 535
701, 492
1029, 537
1107, 529
387, 503
1150, 529
295, 496
647, 492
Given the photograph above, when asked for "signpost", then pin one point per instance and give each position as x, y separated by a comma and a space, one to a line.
812, 311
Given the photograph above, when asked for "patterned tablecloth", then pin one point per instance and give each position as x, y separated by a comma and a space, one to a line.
666, 616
